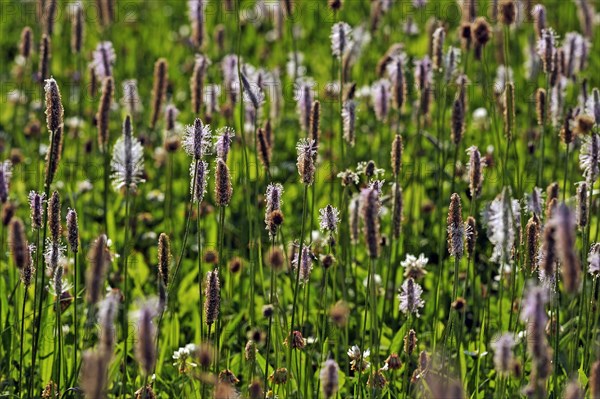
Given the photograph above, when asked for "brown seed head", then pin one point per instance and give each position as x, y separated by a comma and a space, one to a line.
370, 213
507, 9
213, 297
466, 36
279, 376
532, 233
298, 341
77, 23
481, 34
102, 117
18, 243
73, 230
159, 90
45, 56
264, 149
276, 258
335, 5
584, 124
223, 187
567, 134
211, 257
509, 110
146, 348
54, 107
164, 258
54, 217
54, 155
458, 121
26, 42
339, 313
540, 106
398, 209
410, 342
100, 259
235, 265
455, 227
396, 155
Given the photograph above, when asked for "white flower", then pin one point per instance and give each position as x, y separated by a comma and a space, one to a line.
358, 359
414, 267
480, 118
376, 280
74, 123
182, 358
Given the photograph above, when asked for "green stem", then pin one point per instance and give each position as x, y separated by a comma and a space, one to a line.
22, 339
297, 283
48, 182
124, 315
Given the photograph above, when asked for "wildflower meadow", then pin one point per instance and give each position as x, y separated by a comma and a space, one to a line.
299, 199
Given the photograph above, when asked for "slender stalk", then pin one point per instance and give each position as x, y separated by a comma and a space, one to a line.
124, 315
268, 347
106, 185
200, 273
555, 327
178, 264
591, 324
39, 254
33, 324
59, 336
544, 132
323, 320
75, 314
221, 255
297, 283
22, 339
566, 173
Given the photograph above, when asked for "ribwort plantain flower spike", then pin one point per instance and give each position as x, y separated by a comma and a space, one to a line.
127, 162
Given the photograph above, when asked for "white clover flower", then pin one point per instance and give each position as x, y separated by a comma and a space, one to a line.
414, 267
358, 359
